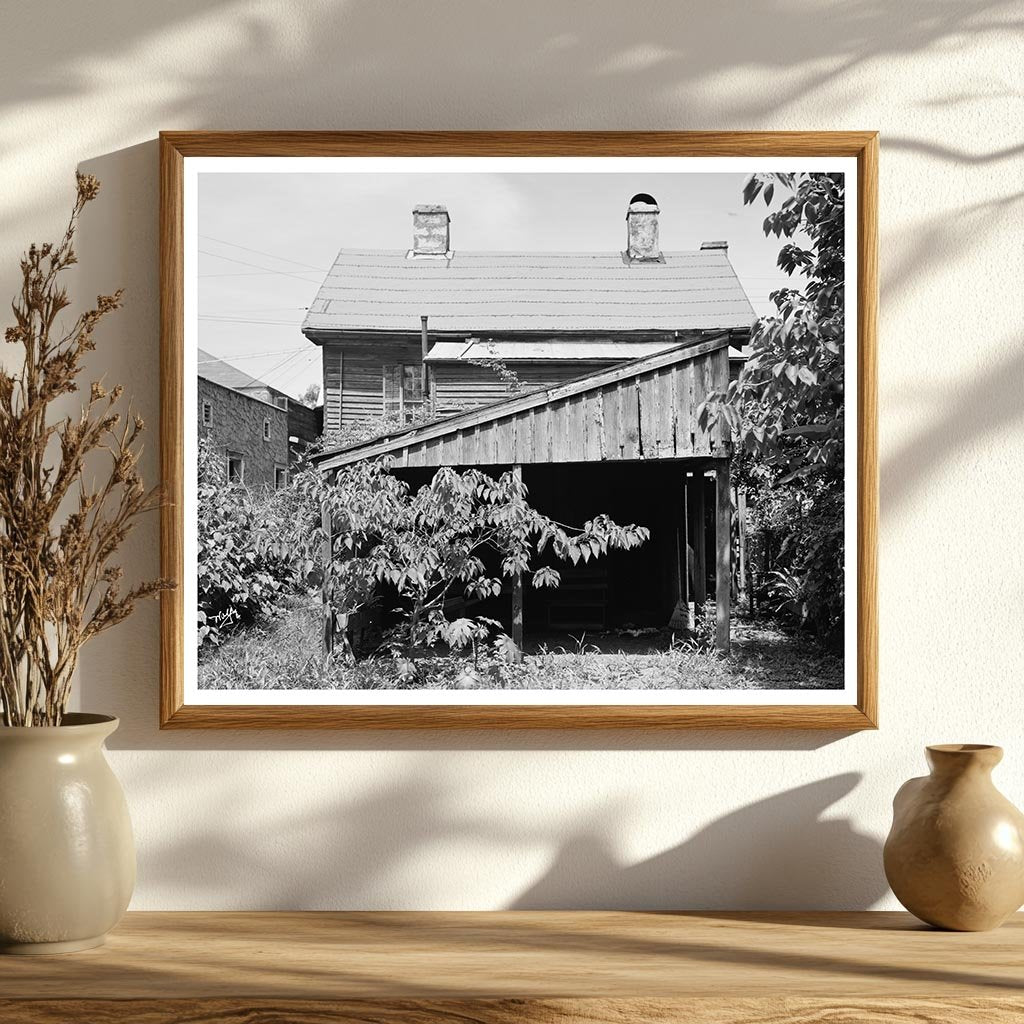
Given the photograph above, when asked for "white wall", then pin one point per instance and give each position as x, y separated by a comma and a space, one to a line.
491, 820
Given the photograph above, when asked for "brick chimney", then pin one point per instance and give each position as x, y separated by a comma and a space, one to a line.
642, 229
430, 232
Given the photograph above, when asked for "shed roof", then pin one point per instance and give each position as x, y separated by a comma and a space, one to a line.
388, 291
651, 412
600, 350
539, 350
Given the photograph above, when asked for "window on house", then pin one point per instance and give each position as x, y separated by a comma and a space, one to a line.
236, 468
280, 477
207, 414
403, 391
281, 401
266, 430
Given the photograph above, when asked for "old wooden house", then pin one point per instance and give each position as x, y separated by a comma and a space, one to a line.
584, 372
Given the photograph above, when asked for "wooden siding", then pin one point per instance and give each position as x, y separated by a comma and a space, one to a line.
455, 386
646, 410
354, 378
332, 363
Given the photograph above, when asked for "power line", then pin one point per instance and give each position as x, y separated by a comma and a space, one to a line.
297, 371
260, 252
279, 366
231, 259
256, 309
240, 320
244, 273
259, 355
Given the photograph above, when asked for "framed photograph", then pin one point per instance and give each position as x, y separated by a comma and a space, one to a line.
519, 430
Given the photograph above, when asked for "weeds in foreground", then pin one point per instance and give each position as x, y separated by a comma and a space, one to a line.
285, 655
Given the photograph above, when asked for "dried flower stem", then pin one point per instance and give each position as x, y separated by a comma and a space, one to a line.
58, 587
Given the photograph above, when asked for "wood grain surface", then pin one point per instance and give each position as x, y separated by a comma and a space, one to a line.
526, 955
524, 966
175, 147
516, 1011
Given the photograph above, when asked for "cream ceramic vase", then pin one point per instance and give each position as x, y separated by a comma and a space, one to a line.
67, 859
955, 855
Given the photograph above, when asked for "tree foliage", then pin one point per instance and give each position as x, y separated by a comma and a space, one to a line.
787, 405
462, 534
238, 581
787, 410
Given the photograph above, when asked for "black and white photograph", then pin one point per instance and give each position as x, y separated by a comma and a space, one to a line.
521, 430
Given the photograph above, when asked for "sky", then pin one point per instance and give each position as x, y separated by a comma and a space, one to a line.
266, 240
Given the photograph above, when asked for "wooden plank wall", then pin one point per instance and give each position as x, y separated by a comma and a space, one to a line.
332, 361
651, 416
354, 382
455, 386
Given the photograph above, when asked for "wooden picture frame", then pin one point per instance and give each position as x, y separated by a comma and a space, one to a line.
177, 147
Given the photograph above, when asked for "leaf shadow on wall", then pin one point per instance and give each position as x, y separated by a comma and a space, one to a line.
780, 852
979, 408
343, 51
398, 846
353, 64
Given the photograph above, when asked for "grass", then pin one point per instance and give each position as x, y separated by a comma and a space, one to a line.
285, 654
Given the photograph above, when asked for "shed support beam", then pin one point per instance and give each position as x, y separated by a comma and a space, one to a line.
326, 556
723, 554
698, 540
517, 593
741, 524
681, 619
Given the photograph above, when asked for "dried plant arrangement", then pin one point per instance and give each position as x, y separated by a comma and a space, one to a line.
59, 533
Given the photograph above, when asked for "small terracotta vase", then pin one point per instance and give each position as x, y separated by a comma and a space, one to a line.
955, 854
67, 859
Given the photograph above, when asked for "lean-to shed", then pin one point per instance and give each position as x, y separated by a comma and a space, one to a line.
626, 440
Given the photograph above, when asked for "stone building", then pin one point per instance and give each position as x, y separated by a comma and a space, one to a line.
250, 432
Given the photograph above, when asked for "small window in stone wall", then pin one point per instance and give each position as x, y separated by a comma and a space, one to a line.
236, 468
207, 414
266, 430
280, 477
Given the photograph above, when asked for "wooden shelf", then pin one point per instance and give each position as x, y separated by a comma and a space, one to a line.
501, 968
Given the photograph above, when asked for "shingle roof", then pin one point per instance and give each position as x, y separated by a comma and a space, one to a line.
497, 292
211, 368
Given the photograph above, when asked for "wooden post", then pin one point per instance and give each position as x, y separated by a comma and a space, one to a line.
680, 620
517, 592
698, 539
741, 524
326, 596
723, 554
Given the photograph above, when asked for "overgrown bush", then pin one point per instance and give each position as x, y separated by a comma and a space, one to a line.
787, 409
464, 533
239, 581
796, 533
